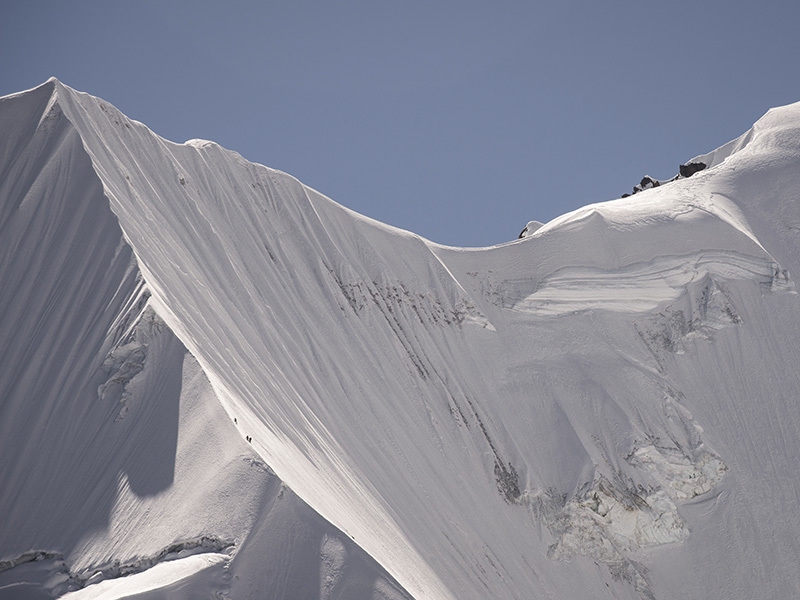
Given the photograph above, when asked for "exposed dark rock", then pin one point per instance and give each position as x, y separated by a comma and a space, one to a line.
691, 168
686, 170
648, 181
507, 481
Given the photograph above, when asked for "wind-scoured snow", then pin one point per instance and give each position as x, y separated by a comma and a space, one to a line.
606, 407
116, 451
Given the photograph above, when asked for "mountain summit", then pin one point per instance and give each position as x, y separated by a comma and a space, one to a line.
218, 383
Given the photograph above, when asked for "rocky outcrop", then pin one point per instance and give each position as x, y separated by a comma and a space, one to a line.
685, 170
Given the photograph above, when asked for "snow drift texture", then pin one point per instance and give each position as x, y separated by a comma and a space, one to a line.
217, 382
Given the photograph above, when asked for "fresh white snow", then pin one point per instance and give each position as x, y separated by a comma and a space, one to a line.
202, 355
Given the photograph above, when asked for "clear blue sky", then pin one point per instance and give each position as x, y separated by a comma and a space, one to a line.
460, 121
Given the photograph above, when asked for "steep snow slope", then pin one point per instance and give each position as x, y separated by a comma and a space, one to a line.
116, 454
605, 407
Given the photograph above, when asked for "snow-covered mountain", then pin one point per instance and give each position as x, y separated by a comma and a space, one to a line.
216, 382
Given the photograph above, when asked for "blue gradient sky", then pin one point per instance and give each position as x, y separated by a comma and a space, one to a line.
460, 121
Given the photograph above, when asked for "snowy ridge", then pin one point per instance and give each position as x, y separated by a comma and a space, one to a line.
103, 408
584, 411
